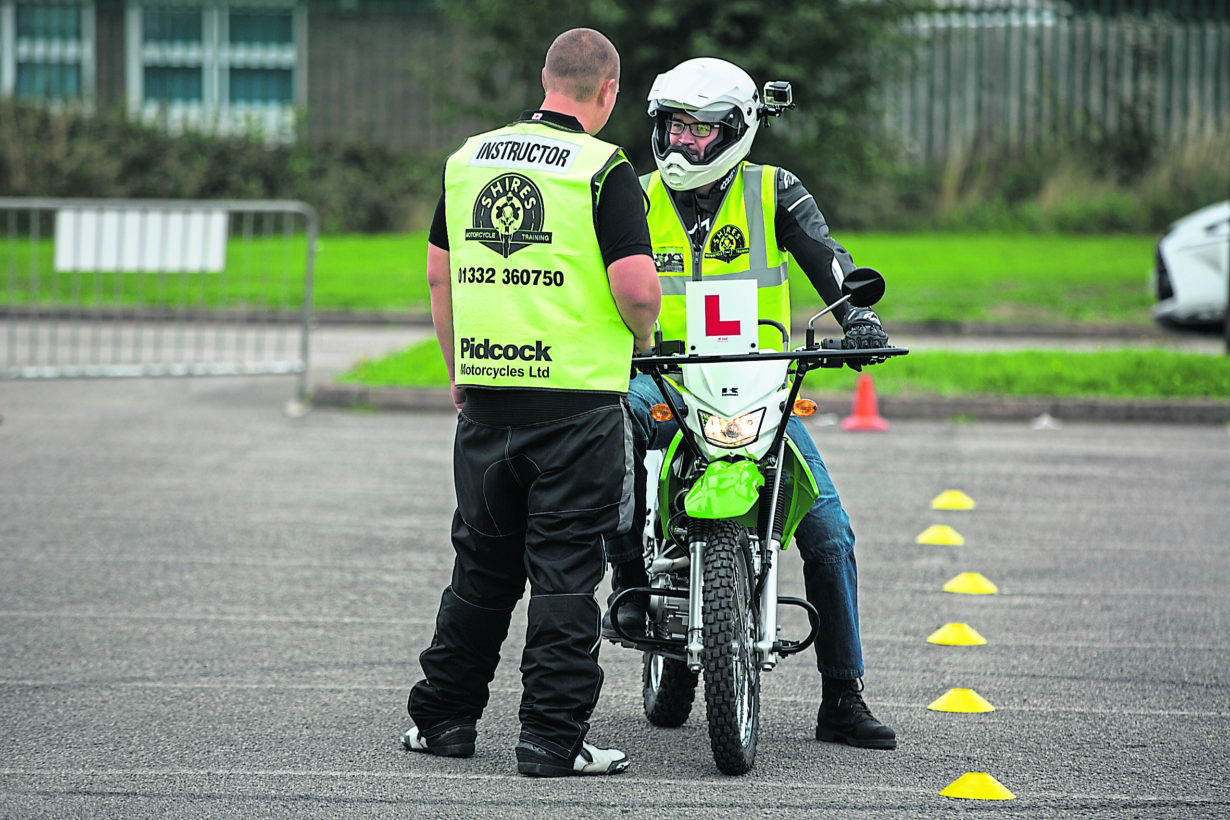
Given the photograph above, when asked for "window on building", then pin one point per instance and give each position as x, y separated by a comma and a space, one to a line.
47, 50
262, 48
224, 66
172, 55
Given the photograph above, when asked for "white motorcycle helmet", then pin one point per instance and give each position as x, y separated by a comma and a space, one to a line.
711, 90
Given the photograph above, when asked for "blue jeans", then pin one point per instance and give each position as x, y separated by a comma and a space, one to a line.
824, 538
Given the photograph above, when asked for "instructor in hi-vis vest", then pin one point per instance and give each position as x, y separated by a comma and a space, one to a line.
542, 285
713, 215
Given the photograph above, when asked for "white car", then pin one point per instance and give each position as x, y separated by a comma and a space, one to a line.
1191, 269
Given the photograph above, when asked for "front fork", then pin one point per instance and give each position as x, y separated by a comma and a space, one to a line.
767, 645
769, 649
695, 648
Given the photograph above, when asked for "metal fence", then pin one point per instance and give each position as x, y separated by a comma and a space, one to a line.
1023, 71
113, 288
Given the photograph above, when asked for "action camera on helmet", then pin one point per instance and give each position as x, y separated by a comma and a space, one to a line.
778, 97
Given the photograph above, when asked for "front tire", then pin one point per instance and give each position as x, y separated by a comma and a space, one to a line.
732, 676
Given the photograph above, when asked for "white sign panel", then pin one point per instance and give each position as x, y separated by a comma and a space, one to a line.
140, 240
721, 317
525, 151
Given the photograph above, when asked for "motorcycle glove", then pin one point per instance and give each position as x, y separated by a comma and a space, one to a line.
863, 331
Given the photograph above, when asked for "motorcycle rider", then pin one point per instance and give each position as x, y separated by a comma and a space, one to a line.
709, 215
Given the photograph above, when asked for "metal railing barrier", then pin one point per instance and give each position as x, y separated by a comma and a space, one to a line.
143, 288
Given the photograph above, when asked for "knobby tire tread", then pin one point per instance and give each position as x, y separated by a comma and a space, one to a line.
669, 704
726, 569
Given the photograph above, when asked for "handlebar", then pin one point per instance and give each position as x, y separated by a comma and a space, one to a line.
813, 356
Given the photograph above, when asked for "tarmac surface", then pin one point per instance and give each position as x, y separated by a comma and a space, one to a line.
210, 607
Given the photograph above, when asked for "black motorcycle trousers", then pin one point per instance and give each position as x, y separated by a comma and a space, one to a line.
534, 502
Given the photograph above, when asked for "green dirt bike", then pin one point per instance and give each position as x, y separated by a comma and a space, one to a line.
731, 490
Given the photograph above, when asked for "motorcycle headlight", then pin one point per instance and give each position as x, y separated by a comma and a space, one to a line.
732, 432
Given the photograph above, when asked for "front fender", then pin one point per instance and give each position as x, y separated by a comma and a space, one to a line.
728, 489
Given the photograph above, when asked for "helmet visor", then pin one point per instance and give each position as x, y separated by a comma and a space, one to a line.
722, 126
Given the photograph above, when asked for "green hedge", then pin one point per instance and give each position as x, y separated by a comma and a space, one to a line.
355, 187
1119, 183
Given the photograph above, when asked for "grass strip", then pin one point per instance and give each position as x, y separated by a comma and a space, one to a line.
1005, 278
994, 278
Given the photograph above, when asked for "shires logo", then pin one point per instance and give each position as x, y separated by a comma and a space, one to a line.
508, 215
727, 244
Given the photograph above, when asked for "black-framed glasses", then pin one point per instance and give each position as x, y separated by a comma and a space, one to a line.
700, 130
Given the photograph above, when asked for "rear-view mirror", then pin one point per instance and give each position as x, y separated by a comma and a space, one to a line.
865, 286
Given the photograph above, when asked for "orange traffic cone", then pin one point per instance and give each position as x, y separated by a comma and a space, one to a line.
866, 415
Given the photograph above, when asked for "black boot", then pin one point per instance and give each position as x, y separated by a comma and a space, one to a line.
845, 718
632, 611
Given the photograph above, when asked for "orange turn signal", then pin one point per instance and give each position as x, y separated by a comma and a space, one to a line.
660, 412
804, 407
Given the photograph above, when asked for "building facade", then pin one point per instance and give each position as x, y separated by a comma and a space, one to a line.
278, 68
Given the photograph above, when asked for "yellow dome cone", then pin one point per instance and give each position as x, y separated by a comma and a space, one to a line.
952, 500
940, 534
961, 700
977, 786
956, 635
971, 583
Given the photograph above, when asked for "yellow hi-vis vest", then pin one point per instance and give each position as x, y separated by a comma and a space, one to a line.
741, 244
532, 305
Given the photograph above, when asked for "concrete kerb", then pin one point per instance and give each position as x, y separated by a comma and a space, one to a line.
333, 394
973, 408
412, 399
998, 408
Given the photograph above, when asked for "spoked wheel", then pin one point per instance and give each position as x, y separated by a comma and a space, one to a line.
732, 676
668, 690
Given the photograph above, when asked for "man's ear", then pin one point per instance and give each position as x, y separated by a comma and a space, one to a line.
544, 79
608, 90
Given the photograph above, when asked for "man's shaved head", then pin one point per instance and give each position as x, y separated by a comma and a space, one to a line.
578, 62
